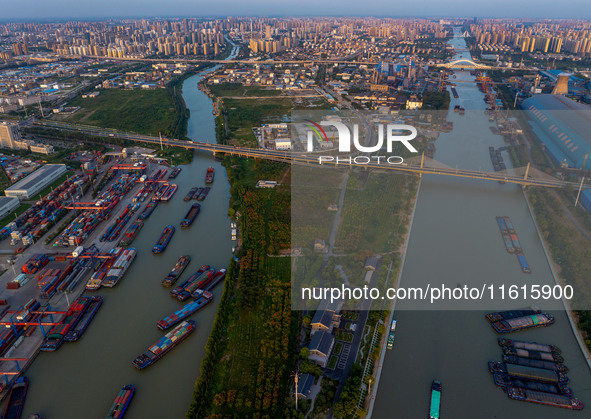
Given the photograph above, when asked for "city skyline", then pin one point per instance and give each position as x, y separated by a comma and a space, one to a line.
13, 10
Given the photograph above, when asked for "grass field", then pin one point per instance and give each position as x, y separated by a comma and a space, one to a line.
142, 111
245, 114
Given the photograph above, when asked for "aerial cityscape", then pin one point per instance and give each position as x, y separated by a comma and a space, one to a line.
261, 210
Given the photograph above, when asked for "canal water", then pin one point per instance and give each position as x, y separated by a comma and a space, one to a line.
81, 379
455, 240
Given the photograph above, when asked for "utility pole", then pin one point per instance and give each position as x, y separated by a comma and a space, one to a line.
296, 377
580, 189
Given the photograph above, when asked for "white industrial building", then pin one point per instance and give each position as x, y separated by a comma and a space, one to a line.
282, 144
7, 205
29, 186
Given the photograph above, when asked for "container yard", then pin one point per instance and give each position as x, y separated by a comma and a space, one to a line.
41, 306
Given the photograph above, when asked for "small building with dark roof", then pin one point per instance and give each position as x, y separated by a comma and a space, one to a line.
321, 347
304, 388
327, 316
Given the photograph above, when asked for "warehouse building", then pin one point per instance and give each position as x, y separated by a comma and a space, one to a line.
32, 184
7, 205
563, 126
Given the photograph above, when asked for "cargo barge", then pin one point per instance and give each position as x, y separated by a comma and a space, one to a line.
190, 194
203, 194
16, 399
524, 266
175, 172
176, 271
435, 405
197, 193
505, 235
541, 397
121, 402
191, 215
391, 334
197, 283
539, 375
56, 335
131, 233
511, 314
504, 381
209, 175
76, 332
525, 353
97, 278
119, 267
181, 314
148, 210
158, 195
178, 289
164, 239
169, 192
220, 275
530, 346
164, 344
536, 363
520, 323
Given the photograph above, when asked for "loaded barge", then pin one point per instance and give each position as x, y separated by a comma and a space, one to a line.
181, 287
520, 323
148, 210
164, 239
121, 402
119, 267
76, 332
536, 363
511, 314
16, 399
199, 283
164, 344
530, 346
131, 233
512, 242
504, 381
181, 314
175, 172
528, 373
176, 271
541, 397
191, 215
196, 282
535, 355
56, 335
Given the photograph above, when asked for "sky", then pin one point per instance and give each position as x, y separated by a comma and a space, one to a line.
93, 9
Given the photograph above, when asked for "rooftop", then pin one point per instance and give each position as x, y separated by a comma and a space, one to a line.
36, 177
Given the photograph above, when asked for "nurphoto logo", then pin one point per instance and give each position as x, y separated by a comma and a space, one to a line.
388, 133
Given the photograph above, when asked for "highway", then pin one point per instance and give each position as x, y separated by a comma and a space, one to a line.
295, 157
